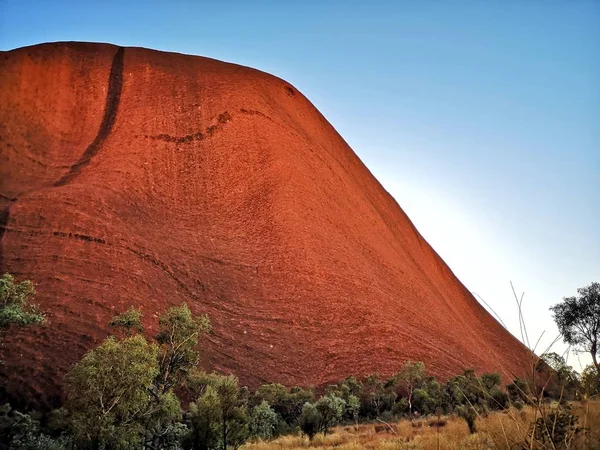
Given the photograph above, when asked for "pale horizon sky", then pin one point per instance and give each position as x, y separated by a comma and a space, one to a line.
481, 118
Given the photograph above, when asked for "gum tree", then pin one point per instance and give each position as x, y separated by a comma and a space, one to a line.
578, 320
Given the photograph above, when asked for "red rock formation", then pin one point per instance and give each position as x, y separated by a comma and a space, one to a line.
135, 177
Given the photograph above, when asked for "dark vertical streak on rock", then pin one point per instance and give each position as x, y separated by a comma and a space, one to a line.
113, 98
4, 216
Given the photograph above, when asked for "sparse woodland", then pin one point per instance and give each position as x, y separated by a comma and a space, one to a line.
136, 391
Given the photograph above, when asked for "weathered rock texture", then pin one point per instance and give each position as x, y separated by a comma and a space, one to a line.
136, 177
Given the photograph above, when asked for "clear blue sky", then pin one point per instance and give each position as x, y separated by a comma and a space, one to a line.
482, 118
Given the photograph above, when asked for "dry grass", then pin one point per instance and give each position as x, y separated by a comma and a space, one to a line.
508, 430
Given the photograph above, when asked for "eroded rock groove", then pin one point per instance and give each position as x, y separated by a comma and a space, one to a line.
113, 98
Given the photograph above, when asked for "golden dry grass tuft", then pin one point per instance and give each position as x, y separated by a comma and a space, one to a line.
507, 430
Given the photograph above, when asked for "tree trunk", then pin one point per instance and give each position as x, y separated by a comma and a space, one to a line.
594, 350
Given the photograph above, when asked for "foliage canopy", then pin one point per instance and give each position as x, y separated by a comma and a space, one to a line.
15, 303
578, 320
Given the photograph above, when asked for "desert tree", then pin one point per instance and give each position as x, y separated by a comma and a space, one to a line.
177, 340
234, 420
204, 419
352, 408
349, 393
590, 382
310, 420
410, 378
565, 381
178, 337
219, 415
578, 320
297, 398
107, 394
331, 409
372, 396
263, 421
121, 394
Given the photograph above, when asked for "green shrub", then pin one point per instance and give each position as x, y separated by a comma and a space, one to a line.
352, 408
263, 421
400, 407
422, 402
518, 391
556, 429
469, 414
310, 420
498, 399
19, 431
331, 408
287, 403
490, 381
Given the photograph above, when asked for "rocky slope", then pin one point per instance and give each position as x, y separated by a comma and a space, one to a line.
136, 177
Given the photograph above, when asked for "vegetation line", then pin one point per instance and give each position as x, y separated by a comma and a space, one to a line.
131, 391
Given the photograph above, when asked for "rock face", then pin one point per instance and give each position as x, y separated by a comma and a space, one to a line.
135, 177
